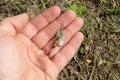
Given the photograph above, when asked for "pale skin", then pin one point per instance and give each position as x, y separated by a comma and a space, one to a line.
25, 45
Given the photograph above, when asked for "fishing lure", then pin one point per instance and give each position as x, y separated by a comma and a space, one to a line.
59, 41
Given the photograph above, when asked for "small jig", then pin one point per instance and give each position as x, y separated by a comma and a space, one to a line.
59, 41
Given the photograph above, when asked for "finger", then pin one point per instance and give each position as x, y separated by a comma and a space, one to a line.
69, 31
65, 54
14, 24
46, 17
42, 38
41, 21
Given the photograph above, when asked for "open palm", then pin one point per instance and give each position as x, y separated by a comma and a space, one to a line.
25, 46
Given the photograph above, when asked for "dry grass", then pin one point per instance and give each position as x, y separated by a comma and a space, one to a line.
100, 59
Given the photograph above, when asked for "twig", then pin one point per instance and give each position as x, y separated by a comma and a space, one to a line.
93, 69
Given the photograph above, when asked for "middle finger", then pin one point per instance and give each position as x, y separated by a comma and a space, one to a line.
43, 37
69, 32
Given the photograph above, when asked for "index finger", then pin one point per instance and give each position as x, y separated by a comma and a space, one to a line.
40, 21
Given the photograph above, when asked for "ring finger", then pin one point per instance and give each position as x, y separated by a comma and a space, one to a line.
68, 32
45, 35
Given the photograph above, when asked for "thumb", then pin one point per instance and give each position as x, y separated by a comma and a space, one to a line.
14, 24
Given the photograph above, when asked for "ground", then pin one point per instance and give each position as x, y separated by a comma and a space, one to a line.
99, 56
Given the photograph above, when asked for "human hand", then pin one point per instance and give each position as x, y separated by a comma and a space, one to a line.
25, 46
